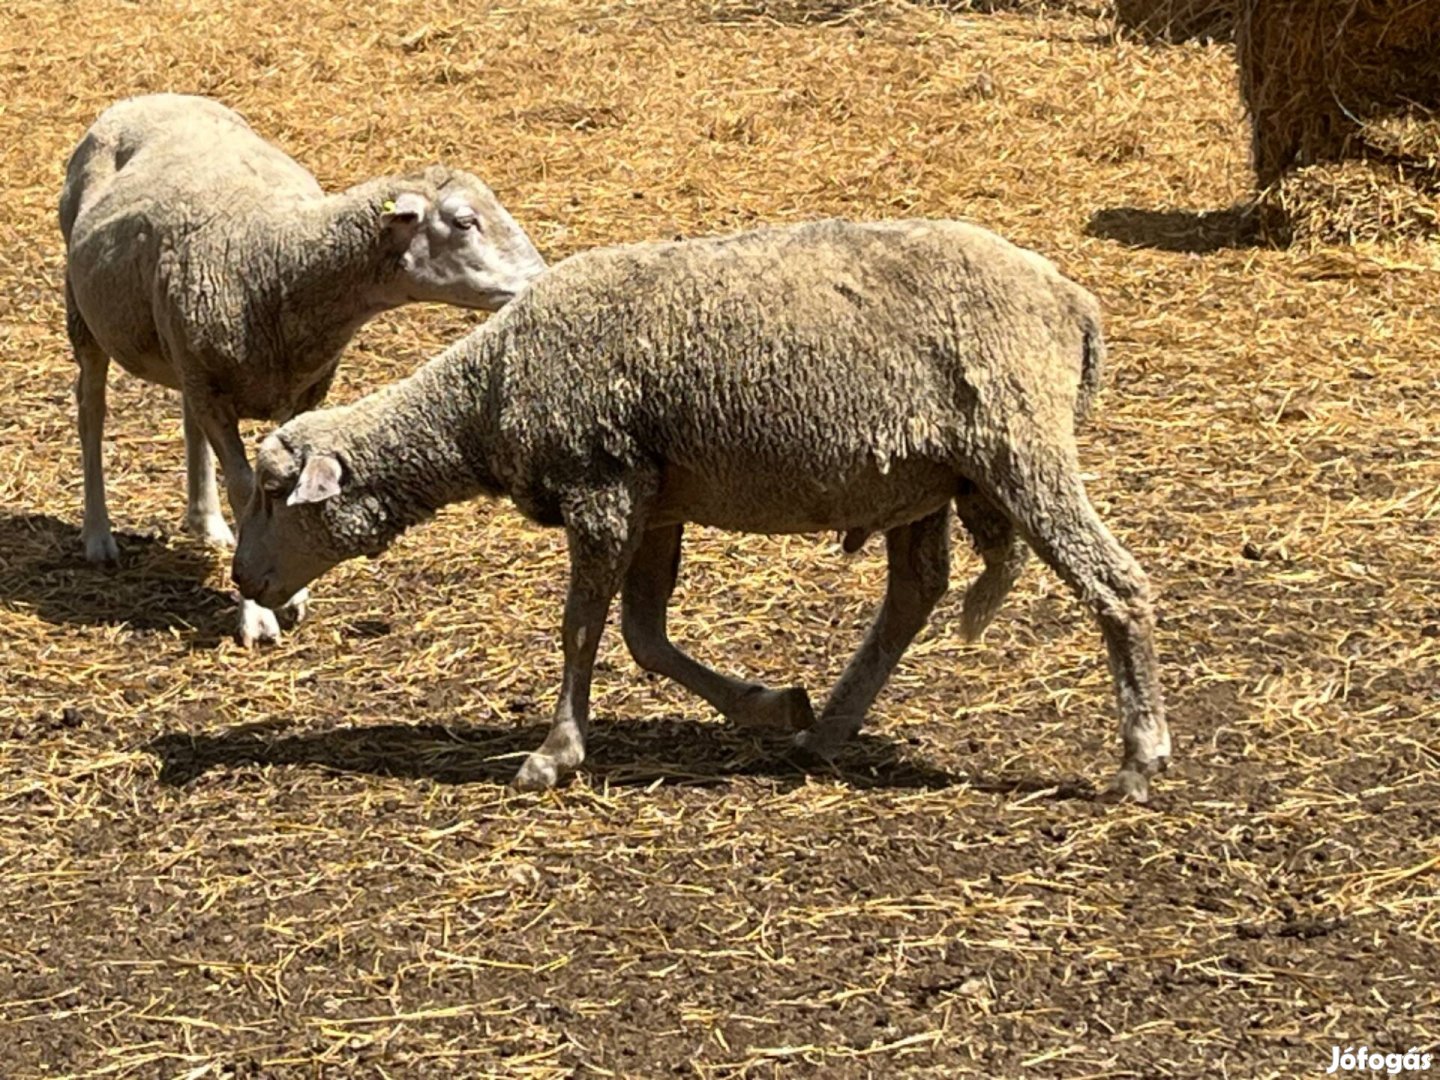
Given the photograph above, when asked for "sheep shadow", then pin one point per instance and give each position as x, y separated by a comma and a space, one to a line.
671, 752
157, 586
1196, 232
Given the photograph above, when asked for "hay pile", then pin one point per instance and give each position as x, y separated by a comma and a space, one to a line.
1350, 202
1344, 102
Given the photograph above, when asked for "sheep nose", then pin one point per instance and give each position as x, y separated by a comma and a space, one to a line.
250, 585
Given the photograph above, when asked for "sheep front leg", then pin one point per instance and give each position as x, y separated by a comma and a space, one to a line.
203, 518
918, 574
217, 420
602, 532
648, 585
563, 750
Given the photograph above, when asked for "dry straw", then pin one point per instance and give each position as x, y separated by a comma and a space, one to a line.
1147, 20
1351, 202
832, 12
1177, 20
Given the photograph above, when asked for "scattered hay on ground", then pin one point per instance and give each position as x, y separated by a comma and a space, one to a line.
1177, 20
797, 12
836, 12
1079, 7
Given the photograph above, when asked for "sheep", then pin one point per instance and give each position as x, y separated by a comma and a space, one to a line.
202, 258
831, 376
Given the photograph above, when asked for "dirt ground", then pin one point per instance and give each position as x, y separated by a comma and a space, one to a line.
302, 861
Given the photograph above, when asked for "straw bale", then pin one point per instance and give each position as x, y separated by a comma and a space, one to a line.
1314, 75
1344, 104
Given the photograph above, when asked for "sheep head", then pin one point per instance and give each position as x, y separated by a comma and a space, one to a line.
454, 243
305, 516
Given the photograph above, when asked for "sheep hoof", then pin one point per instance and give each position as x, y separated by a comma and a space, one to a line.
210, 529
296, 608
822, 741
102, 549
1129, 785
763, 707
257, 624
539, 773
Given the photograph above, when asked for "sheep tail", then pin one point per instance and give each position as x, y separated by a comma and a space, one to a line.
1092, 358
92, 163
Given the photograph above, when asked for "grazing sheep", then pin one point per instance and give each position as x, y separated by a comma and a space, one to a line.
832, 376
202, 258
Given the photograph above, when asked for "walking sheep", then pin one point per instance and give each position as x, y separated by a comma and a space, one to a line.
832, 376
202, 258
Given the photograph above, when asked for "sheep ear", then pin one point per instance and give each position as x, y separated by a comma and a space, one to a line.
408, 208
319, 480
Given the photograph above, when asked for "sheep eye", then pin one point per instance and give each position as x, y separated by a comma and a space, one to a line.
466, 221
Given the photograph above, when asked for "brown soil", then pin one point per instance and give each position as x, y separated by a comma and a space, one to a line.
302, 862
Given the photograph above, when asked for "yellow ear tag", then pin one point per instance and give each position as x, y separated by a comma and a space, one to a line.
388, 206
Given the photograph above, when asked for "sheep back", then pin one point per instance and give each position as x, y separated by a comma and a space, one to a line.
832, 350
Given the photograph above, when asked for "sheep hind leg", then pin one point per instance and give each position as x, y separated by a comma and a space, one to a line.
94, 367
1057, 519
1003, 552
918, 574
203, 517
648, 586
